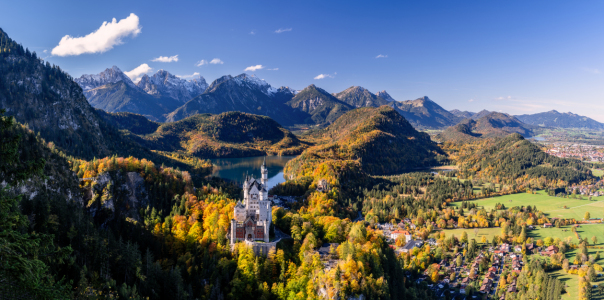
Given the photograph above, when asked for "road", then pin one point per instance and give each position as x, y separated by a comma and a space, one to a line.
279, 235
359, 218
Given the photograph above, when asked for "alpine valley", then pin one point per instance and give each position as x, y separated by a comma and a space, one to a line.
106, 191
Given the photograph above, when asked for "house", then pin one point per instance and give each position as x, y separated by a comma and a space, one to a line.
505, 247
547, 225
552, 248
400, 233
530, 246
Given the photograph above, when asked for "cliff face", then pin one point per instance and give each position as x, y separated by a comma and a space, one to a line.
116, 194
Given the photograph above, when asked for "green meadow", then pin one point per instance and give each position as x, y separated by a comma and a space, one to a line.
552, 206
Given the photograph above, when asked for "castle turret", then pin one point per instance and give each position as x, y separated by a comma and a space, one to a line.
233, 231
264, 172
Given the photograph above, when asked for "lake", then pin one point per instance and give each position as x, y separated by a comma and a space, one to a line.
235, 169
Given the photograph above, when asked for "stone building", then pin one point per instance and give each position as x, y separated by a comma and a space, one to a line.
253, 216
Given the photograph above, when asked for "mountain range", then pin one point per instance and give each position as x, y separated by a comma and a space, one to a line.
562, 120
165, 97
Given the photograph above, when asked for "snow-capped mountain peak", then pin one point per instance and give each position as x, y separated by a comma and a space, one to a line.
166, 84
110, 75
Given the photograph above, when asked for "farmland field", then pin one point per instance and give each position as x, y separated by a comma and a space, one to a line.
552, 206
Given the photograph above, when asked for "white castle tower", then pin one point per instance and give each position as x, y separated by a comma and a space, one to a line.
264, 172
253, 218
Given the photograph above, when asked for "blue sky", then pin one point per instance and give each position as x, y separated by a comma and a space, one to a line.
509, 56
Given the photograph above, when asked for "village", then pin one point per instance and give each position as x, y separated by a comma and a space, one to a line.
588, 153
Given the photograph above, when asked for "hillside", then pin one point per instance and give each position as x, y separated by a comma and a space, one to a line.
137, 124
424, 113
514, 160
316, 106
561, 120
492, 125
230, 134
51, 103
120, 97
357, 96
243, 93
380, 140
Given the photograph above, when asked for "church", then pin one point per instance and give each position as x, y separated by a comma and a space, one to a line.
252, 218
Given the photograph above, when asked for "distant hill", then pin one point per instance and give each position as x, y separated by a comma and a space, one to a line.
480, 114
135, 123
357, 96
244, 93
491, 125
380, 139
230, 134
462, 114
513, 157
317, 106
424, 113
561, 120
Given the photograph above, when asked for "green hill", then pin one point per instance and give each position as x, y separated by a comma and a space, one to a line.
379, 139
135, 123
230, 134
514, 160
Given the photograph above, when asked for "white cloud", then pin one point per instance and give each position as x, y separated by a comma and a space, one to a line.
252, 32
322, 76
138, 72
381, 56
254, 68
188, 76
281, 30
273, 69
44, 51
216, 61
101, 40
504, 98
471, 100
166, 58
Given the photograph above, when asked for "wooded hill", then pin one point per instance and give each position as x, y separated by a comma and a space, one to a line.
230, 134
491, 125
379, 139
515, 161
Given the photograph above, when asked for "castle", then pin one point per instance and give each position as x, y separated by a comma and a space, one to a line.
253, 217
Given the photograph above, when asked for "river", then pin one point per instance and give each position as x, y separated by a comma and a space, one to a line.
236, 168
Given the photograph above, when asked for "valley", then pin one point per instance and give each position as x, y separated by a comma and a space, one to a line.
115, 186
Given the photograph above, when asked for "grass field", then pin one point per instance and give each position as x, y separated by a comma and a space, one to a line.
572, 281
488, 232
598, 172
584, 231
552, 206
